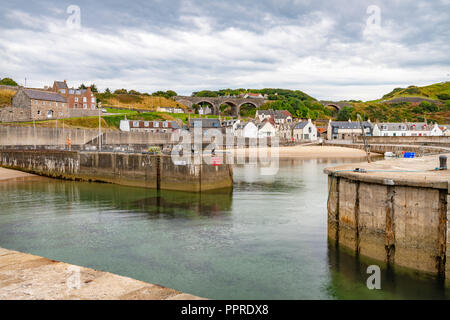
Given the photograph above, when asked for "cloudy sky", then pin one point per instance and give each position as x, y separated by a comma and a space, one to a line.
349, 49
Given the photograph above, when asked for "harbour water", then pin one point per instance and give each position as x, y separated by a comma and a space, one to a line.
265, 239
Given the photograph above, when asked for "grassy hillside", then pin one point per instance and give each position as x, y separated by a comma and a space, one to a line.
412, 104
5, 97
132, 101
437, 91
398, 112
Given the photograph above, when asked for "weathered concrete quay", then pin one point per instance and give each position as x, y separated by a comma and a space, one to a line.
395, 211
130, 169
28, 277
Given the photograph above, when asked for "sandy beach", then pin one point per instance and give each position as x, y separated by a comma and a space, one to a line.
8, 175
318, 152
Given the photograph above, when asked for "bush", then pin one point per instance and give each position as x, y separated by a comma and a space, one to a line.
444, 96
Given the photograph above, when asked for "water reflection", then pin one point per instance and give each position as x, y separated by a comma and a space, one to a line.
349, 276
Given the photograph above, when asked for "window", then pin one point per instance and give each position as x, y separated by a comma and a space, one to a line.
135, 123
63, 90
76, 105
85, 106
93, 106
93, 100
165, 124
71, 91
50, 114
155, 124
39, 112
146, 124
384, 127
76, 99
84, 99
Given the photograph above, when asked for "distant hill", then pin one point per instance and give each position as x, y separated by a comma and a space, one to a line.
412, 103
437, 91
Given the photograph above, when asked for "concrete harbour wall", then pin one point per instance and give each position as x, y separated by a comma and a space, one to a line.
130, 169
400, 218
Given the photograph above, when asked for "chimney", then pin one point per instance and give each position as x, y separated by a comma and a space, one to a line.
65, 81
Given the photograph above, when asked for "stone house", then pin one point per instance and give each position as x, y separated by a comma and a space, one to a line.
346, 130
29, 104
285, 131
76, 98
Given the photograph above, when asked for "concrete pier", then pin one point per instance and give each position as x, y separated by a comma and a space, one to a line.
130, 169
28, 277
394, 211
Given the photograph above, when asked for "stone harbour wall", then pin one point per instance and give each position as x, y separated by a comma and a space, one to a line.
130, 169
398, 218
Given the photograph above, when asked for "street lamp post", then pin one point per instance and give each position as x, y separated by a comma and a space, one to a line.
99, 126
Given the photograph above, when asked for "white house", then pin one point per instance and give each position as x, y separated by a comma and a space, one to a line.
170, 109
305, 130
406, 129
246, 130
279, 116
267, 129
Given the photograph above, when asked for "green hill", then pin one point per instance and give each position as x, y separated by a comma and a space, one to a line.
412, 104
437, 91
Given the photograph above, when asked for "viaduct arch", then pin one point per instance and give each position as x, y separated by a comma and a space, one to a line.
234, 103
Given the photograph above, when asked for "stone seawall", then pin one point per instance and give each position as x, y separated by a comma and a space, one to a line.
130, 169
395, 212
29, 277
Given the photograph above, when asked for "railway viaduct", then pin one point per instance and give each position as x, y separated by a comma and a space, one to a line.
216, 102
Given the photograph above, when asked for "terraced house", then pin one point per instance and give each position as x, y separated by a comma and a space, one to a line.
406, 129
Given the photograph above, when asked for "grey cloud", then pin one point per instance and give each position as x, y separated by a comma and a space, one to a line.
195, 44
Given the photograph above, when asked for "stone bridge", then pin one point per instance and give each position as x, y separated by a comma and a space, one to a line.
337, 105
234, 103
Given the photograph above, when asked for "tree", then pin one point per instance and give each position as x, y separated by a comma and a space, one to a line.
171, 93
344, 114
82, 86
8, 82
94, 88
107, 91
121, 91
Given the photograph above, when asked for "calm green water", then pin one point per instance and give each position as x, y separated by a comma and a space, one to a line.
266, 239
